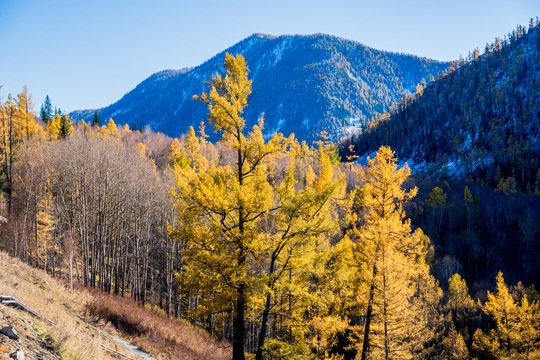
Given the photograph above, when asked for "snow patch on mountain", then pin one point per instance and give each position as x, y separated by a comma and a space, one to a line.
356, 125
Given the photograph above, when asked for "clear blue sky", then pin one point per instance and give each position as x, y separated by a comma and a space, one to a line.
88, 54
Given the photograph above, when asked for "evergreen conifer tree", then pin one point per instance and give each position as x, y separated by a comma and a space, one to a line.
46, 112
65, 127
96, 121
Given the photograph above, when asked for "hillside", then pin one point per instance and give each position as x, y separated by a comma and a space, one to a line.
482, 119
303, 84
88, 325
473, 139
68, 337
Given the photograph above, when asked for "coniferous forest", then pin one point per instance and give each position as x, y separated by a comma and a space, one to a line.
292, 250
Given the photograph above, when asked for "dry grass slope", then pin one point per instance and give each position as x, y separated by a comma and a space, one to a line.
156, 334
71, 337
74, 336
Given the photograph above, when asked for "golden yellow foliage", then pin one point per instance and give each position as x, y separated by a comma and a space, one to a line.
53, 127
109, 130
399, 296
140, 149
250, 234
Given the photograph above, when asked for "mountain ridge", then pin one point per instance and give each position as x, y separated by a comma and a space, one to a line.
302, 83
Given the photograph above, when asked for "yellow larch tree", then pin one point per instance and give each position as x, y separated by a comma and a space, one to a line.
400, 295
53, 127
460, 303
295, 236
18, 126
25, 112
109, 130
140, 149
178, 155
221, 206
502, 308
45, 230
11, 131
529, 328
517, 321
246, 233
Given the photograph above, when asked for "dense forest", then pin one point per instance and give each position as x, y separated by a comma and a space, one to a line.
472, 137
270, 243
479, 119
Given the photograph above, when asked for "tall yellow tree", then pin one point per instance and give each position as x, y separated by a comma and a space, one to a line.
400, 295
18, 126
502, 308
10, 139
25, 112
53, 127
109, 130
221, 205
245, 231
517, 321
295, 235
529, 328
460, 302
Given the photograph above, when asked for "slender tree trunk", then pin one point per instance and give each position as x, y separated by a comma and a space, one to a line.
77, 271
71, 271
239, 336
264, 327
266, 312
385, 306
239, 325
9, 184
369, 315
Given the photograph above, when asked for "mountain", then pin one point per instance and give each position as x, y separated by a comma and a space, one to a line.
482, 119
303, 84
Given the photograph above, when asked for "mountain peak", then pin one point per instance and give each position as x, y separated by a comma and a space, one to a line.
302, 83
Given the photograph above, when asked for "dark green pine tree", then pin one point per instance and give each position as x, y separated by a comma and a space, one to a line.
134, 127
97, 120
65, 127
46, 111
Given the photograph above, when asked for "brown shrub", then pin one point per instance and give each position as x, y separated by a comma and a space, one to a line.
154, 333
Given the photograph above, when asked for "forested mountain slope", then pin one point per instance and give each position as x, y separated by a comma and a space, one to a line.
303, 85
482, 118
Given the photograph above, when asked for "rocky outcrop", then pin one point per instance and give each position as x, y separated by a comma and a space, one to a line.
20, 341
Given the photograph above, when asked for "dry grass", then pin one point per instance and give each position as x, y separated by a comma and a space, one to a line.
71, 336
156, 334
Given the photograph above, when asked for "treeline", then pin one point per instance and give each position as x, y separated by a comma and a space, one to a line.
481, 119
270, 244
